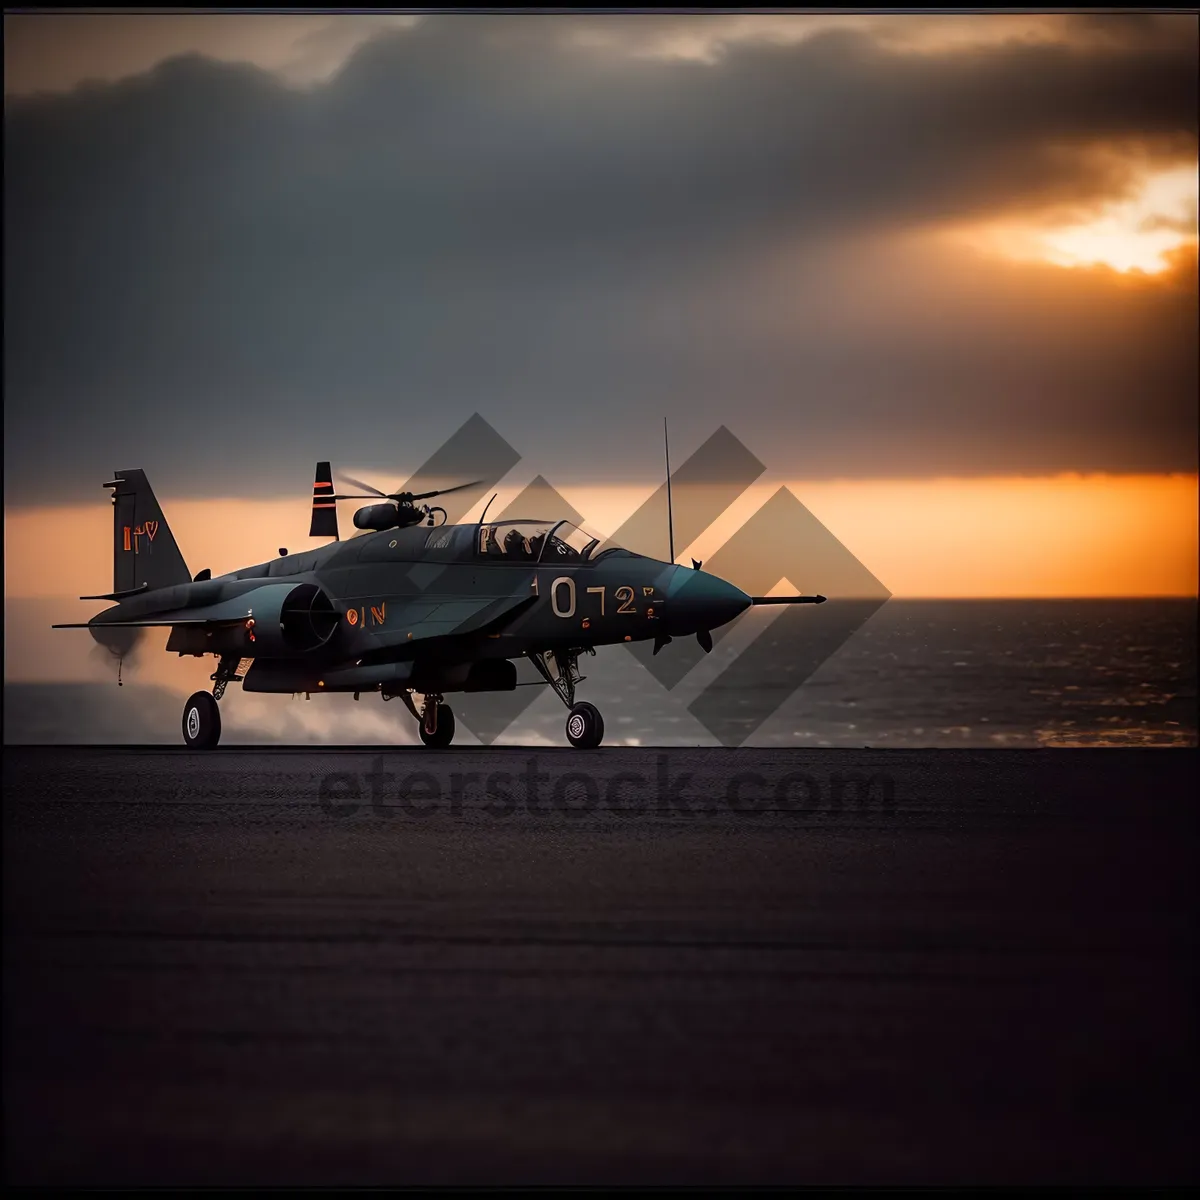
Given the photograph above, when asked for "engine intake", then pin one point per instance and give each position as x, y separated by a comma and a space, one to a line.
307, 620
277, 619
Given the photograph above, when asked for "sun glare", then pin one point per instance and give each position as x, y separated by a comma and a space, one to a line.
1136, 234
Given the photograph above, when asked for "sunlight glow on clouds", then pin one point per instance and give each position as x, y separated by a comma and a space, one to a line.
1133, 234
847, 242
1136, 234
705, 37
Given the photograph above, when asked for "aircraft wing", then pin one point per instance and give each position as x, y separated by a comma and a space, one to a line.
150, 623
427, 618
223, 612
418, 619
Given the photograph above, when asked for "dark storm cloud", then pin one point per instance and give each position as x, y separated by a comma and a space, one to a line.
219, 278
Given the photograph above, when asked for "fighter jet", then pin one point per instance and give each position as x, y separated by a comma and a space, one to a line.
412, 607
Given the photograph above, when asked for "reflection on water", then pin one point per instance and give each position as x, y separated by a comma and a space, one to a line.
1116, 737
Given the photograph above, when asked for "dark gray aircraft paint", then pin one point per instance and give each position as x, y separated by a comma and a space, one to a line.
414, 608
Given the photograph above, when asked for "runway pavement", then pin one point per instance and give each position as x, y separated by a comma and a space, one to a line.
684, 966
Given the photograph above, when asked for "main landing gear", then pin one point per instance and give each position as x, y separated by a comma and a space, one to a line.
560, 669
435, 721
201, 722
201, 716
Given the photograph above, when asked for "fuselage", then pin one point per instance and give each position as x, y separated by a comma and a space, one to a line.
452, 594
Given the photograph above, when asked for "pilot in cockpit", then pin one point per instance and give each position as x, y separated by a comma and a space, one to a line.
515, 546
491, 547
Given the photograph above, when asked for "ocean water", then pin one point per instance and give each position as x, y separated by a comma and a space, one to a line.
916, 674
1010, 673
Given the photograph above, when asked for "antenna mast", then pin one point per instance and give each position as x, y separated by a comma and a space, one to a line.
670, 511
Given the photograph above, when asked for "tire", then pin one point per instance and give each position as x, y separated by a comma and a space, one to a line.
585, 726
201, 722
443, 735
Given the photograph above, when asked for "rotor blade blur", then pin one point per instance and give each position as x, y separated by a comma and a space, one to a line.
446, 491
366, 487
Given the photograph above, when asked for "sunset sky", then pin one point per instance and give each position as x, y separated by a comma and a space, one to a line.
939, 273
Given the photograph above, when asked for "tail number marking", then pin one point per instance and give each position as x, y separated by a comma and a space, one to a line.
131, 534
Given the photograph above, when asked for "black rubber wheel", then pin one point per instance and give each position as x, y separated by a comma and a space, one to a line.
201, 722
585, 726
443, 735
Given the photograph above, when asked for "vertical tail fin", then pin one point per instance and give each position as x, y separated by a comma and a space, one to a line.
324, 508
144, 549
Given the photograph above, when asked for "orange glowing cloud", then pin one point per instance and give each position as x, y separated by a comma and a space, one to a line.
1143, 232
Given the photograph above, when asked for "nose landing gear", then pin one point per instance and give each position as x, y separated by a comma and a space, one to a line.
560, 669
585, 726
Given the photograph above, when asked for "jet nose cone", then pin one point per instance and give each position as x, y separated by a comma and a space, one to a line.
697, 600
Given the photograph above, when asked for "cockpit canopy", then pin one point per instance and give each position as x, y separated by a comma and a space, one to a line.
535, 541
